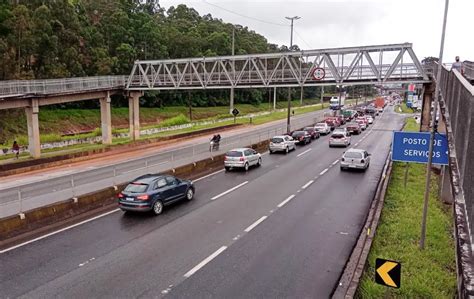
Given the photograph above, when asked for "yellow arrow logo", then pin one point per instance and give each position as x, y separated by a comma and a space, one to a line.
383, 272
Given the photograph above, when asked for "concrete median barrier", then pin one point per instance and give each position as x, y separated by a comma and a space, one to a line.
19, 167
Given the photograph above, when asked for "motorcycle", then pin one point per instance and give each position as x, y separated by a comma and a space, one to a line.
213, 146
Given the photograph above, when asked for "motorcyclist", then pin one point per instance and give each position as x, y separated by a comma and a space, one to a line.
215, 142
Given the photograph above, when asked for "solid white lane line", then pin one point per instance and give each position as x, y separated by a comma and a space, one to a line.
286, 201
308, 150
58, 231
307, 184
335, 162
205, 261
323, 172
206, 176
248, 229
228, 191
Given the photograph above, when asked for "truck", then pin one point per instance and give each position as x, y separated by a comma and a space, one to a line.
334, 103
379, 103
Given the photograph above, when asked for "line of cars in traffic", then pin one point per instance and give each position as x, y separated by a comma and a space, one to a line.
153, 192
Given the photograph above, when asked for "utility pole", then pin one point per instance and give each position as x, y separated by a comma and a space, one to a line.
433, 131
233, 71
288, 127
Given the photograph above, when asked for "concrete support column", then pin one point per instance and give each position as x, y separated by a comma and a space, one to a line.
34, 143
301, 96
231, 106
134, 114
106, 120
274, 98
446, 194
428, 95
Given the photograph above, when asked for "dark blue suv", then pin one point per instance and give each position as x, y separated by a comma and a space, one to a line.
152, 192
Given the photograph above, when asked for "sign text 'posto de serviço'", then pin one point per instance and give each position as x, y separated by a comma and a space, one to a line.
414, 147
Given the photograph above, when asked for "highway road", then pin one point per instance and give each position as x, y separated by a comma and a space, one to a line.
27, 191
284, 231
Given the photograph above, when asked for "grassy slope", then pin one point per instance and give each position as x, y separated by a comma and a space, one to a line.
256, 121
429, 273
404, 108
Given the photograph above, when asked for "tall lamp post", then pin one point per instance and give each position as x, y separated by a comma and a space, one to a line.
288, 128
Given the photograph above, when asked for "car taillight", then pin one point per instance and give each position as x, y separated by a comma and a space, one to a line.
143, 197
225, 158
241, 159
362, 161
301, 138
120, 195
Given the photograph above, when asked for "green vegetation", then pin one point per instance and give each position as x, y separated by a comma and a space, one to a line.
428, 273
75, 148
54, 123
403, 108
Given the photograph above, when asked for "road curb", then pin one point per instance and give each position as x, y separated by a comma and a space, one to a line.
350, 278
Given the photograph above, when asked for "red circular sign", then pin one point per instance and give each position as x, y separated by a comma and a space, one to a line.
318, 73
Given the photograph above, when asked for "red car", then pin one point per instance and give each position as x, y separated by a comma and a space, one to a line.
354, 128
333, 122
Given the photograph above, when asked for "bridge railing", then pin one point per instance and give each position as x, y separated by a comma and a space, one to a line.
469, 69
457, 110
64, 85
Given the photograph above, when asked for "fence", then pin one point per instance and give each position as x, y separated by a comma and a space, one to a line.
18, 199
457, 109
66, 85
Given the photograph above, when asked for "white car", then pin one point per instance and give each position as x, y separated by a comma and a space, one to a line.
355, 159
340, 130
340, 139
322, 128
242, 158
282, 143
370, 119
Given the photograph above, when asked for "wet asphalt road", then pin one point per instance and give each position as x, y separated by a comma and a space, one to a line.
255, 243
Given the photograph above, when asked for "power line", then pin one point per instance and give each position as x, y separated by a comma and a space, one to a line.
308, 45
244, 16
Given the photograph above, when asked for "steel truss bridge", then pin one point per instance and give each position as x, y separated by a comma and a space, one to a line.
378, 65
383, 64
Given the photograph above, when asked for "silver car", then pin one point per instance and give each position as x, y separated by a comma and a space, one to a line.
355, 159
242, 158
340, 139
282, 143
322, 128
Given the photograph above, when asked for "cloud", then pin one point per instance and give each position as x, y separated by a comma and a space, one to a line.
342, 23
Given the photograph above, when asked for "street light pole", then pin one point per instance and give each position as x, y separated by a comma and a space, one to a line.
433, 130
288, 127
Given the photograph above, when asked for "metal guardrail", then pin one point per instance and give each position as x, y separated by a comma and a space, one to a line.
65, 85
26, 197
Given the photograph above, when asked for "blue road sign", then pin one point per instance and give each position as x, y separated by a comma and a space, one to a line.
414, 147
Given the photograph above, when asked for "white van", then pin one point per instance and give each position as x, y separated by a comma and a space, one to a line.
334, 103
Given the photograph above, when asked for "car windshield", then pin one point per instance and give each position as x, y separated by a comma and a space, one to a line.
234, 154
337, 136
309, 129
320, 125
136, 188
277, 140
353, 155
298, 134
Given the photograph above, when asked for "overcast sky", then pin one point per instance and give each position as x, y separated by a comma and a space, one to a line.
343, 23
